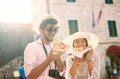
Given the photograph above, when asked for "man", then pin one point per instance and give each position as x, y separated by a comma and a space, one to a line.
39, 56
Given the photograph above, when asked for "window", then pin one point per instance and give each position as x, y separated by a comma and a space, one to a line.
112, 28
109, 1
71, 0
73, 26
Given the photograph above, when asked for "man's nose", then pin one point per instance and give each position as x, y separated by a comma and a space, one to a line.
53, 32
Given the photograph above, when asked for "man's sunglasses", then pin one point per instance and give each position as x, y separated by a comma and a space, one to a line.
50, 30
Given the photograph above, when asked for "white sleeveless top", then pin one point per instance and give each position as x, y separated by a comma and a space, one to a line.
82, 68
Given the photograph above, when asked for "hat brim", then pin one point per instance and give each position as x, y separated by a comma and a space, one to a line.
41, 19
91, 38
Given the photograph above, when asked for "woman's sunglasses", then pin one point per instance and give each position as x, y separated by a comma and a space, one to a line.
50, 30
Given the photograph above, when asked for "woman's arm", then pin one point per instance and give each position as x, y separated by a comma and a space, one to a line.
73, 68
89, 61
93, 64
90, 66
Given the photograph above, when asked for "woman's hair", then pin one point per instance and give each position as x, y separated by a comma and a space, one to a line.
86, 41
83, 39
47, 21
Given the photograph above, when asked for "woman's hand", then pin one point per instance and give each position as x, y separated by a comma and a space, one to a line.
89, 53
74, 67
76, 59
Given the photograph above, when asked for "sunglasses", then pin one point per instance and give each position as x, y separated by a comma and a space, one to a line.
50, 30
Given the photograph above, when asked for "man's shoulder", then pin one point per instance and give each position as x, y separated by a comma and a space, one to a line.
37, 42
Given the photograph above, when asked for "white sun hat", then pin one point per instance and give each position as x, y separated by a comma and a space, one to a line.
42, 18
91, 38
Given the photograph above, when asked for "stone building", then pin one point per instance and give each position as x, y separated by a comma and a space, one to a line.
78, 15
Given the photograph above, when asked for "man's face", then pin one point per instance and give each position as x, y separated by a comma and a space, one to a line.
49, 32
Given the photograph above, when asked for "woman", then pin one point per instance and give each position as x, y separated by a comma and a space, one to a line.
86, 65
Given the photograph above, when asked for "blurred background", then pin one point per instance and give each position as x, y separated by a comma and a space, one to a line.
19, 19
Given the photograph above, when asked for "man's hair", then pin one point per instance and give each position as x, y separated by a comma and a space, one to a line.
47, 21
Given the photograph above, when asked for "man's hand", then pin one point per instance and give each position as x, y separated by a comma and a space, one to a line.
59, 48
57, 51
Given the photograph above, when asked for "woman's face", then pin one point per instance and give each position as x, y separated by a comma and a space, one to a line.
80, 42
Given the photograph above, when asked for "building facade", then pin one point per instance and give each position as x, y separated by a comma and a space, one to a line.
101, 17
